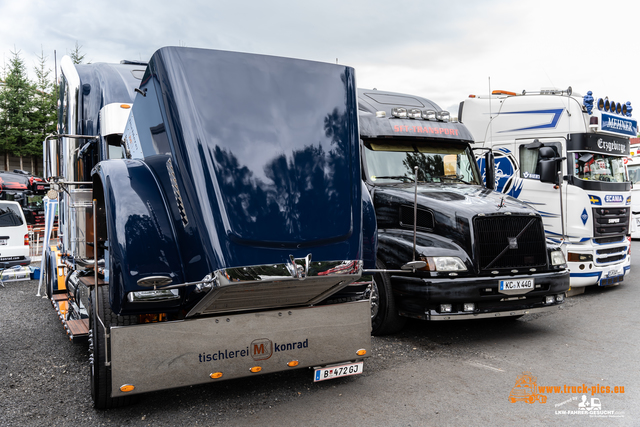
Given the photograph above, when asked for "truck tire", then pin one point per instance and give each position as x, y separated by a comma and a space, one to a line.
385, 319
99, 373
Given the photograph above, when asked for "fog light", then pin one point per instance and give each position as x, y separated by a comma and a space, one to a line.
560, 298
469, 306
549, 299
445, 308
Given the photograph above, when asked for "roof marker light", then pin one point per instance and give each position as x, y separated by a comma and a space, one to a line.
445, 116
606, 104
600, 104
618, 108
381, 114
429, 115
414, 113
503, 92
399, 112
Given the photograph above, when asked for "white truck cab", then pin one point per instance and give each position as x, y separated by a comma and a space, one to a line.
564, 154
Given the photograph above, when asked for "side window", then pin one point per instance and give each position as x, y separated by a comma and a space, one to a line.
530, 159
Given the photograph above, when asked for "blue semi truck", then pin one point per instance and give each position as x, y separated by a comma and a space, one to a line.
212, 220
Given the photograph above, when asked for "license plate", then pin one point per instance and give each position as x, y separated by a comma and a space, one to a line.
3, 241
331, 372
515, 285
615, 272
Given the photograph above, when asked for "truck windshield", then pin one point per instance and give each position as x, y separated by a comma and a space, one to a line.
394, 161
599, 167
634, 173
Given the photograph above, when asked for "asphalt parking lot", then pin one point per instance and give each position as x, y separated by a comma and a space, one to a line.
458, 373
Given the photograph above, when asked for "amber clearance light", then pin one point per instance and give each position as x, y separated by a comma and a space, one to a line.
127, 387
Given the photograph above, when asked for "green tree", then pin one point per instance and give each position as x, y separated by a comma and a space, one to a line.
16, 105
76, 55
43, 115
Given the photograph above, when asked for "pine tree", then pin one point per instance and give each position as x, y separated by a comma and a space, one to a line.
16, 106
76, 56
43, 116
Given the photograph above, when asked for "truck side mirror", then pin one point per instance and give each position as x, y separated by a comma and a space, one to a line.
549, 170
489, 170
549, 165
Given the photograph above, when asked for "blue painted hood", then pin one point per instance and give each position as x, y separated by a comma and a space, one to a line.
257, 157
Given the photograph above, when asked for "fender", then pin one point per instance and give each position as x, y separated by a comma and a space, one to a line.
369, 230
395, 247
139, 235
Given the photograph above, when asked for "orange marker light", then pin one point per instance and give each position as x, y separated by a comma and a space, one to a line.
125, 106
361, 352
293, 364
503, 92
127, 387
216, 375
256, 369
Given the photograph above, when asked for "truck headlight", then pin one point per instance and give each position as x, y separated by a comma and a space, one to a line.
557, 258
443, 263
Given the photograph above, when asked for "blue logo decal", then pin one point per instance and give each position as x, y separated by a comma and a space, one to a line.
619, 124
628, 200
615, 198
584, 217
595, 200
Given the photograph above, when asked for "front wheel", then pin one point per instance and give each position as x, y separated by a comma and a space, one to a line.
101, 374
384, 314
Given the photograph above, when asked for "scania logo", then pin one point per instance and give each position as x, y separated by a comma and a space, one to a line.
261, 349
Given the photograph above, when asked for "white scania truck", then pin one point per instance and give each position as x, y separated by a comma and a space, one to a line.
541, 139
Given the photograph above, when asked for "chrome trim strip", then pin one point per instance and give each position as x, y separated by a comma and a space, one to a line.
509, 313
299, 282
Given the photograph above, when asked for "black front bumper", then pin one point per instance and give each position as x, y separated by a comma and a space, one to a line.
422, 297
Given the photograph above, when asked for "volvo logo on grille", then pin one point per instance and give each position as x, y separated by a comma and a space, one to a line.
513, 242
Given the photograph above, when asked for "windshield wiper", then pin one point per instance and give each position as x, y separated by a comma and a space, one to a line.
453, 178
403, 178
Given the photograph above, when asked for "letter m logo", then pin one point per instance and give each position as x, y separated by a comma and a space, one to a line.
261, 349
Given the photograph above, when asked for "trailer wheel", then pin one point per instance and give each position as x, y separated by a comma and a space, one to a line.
385, 319
101, 374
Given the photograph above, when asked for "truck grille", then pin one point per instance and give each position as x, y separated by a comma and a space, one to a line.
510, 241
610, 221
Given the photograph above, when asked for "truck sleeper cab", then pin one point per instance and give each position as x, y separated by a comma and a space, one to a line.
212, 216
448, 248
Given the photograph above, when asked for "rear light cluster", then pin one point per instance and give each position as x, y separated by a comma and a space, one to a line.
26, 239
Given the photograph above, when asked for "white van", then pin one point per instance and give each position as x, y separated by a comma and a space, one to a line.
14, 235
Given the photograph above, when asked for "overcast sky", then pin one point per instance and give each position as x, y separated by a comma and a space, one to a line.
443, 51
